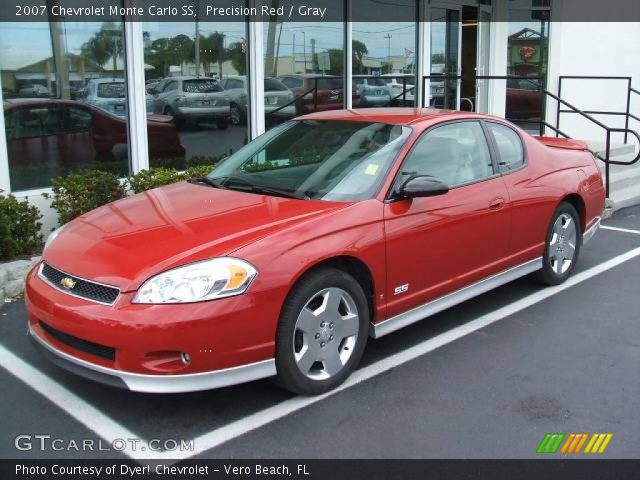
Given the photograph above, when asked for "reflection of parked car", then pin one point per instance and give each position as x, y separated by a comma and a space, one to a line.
373, 91
329, 95
292, 252
400, 84
57, 136
276, 98
34, 90
108, 94
191, 98
524, 99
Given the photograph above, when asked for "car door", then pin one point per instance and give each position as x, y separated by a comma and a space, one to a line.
531, 206
77, 142
35, 135
436, 245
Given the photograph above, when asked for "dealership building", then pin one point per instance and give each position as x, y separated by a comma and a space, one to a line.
92, 94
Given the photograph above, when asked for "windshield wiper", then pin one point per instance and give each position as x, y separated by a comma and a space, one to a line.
207, 181
271, 191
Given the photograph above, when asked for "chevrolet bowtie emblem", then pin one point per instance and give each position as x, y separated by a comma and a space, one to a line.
68, 283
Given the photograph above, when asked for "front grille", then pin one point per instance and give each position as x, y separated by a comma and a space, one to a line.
80, 287
85, 346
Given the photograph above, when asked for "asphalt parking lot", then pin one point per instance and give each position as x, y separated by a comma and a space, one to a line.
486, 379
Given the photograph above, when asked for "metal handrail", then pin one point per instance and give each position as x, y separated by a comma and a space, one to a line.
609, 130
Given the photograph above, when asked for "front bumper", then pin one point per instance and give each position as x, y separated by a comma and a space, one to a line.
228, 341
154, 383
218, 112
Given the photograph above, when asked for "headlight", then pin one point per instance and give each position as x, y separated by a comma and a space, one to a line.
52, 236
198, 282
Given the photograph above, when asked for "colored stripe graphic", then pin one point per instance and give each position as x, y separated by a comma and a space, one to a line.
598, 443
573, 443
550, 443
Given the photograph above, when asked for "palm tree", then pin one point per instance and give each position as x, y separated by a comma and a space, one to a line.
105, 44
212, 51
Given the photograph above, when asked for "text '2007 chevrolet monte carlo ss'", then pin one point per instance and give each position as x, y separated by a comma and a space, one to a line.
324, 231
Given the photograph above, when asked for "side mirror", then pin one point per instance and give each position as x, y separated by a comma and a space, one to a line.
419, 186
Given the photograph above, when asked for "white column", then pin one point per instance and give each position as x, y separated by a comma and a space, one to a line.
5, 186
423, 53
498, 60
348, 59
136, 101
255, 51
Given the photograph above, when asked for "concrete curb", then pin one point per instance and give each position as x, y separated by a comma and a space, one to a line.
12, 276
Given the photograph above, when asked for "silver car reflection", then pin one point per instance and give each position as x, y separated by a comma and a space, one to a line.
191, 98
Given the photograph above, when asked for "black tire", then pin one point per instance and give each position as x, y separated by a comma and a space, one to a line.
549, 275
222, 124
290, 376
177, 121
238, 117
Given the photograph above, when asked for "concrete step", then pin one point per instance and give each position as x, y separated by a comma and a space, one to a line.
617, 149
624, 180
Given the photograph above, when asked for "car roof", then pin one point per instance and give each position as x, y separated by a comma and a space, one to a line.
189, 77
391, 115
14, 102
107, 80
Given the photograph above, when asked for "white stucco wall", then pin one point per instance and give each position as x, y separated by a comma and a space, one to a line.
594, 49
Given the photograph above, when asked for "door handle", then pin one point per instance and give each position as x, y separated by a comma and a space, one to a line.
496, 203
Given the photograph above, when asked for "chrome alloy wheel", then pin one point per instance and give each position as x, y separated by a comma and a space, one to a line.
562, 247
325, 333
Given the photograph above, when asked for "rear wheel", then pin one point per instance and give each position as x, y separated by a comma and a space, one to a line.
562, 246
322, 332
237, 116
177, 121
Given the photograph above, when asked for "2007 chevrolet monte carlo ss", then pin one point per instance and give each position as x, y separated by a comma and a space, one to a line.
322, 232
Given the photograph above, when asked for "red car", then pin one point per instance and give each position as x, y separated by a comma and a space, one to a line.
49, 137
324, 231
317, 93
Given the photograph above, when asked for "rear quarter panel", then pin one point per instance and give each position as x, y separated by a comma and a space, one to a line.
535, 191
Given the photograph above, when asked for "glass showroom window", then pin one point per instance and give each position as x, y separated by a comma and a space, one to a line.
527, 57
196, 93
384, 57
303, 65
65, 105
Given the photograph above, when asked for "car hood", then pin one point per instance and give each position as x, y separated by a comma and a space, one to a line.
125, 242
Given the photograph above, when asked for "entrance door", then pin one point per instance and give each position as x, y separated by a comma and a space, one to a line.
445, 56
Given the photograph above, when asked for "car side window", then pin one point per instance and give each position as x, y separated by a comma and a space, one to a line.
509, 146
172, 85
31, 122
456, 153
79, 119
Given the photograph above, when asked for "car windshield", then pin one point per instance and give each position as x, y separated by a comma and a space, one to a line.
330, 160
200, 85
273, 85
111, 90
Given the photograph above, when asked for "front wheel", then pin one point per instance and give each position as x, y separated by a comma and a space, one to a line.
562, 246
322, 332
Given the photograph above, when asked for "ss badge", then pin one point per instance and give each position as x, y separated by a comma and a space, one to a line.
401, 289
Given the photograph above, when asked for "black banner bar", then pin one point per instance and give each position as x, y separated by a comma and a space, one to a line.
285, 11
566, 469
